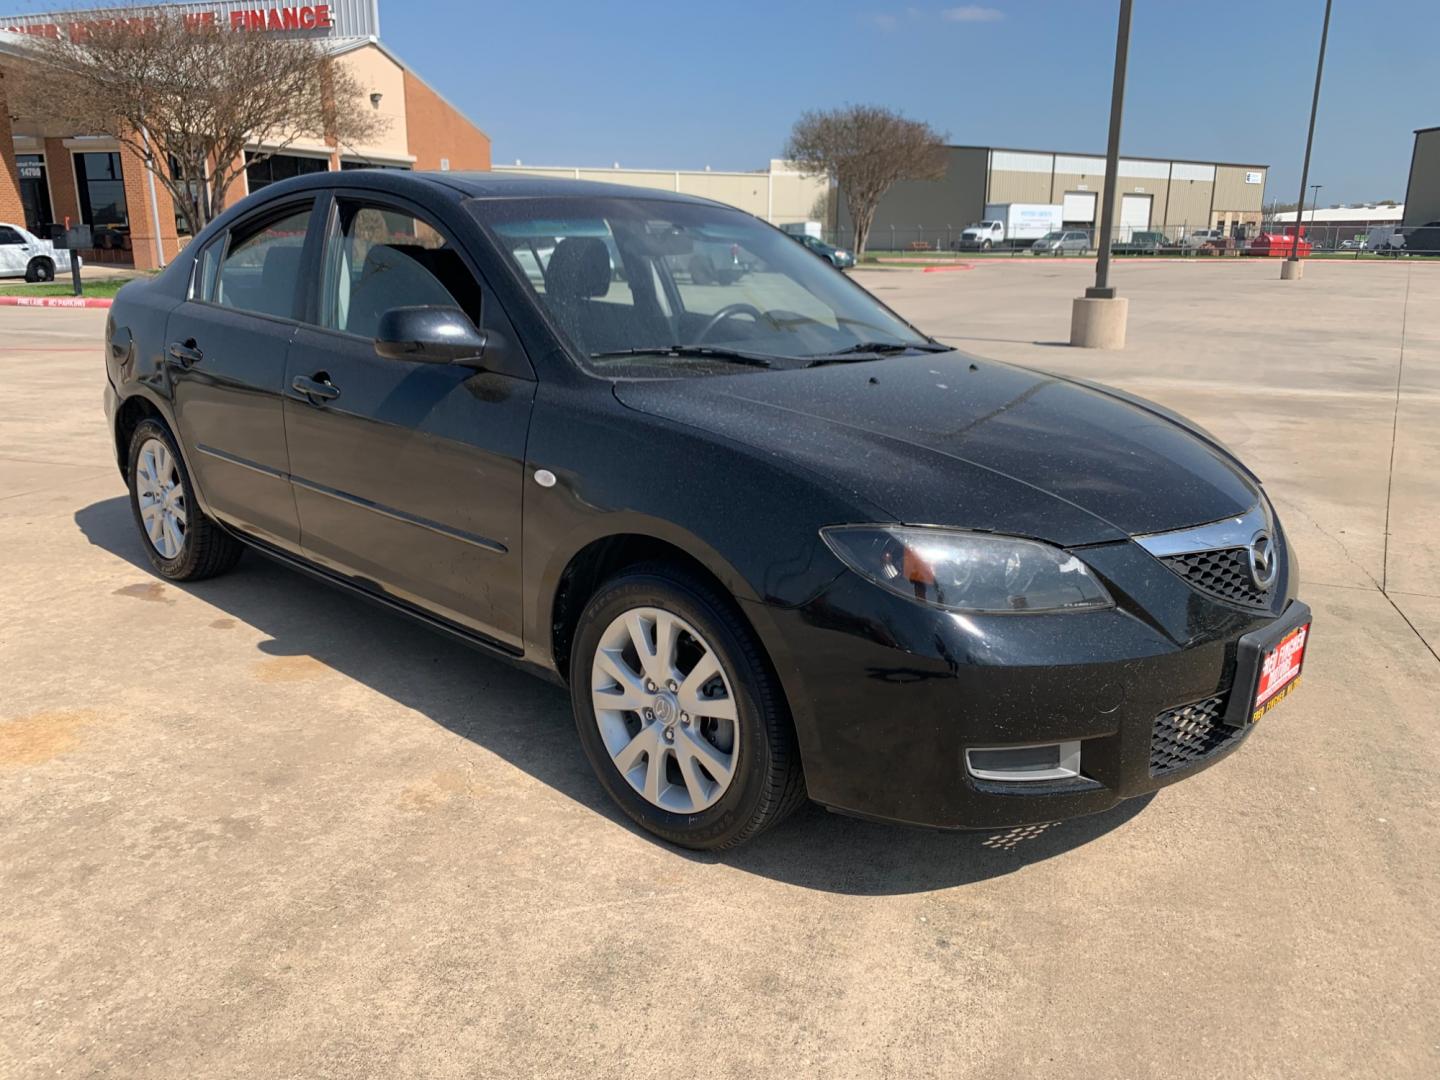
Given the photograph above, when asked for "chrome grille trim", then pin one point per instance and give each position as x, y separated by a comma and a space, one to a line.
1236, 532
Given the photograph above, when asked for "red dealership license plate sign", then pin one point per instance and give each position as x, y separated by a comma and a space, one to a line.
1280, 671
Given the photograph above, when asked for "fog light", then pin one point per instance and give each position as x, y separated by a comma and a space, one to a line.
1048, 761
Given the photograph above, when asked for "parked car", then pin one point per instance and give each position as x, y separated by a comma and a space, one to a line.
717, 262
702, 517
1058, 243
1141, 243
1355, 243
837, 257
1198, 238
23, 254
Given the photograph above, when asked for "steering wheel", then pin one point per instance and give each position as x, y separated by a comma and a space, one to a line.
729, 311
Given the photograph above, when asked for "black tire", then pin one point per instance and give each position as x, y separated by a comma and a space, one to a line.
207, 549
40, 269
985, 245
768, 783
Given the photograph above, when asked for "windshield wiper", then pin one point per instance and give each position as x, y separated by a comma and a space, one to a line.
866, 350
703, 352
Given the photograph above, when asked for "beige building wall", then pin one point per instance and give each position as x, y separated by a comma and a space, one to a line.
378, 74
1192, 189
778, 194
1019, 177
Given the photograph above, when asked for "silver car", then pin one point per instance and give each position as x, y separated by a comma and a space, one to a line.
1057, 243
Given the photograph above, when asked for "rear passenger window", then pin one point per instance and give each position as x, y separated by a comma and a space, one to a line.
261, 270
378, 259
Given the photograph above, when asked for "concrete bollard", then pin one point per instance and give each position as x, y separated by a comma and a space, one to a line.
1292, 270
1099, 323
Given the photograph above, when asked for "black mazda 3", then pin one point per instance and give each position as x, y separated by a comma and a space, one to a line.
779, 543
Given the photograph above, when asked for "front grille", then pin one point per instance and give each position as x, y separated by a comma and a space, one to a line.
1224, 574
1189, 734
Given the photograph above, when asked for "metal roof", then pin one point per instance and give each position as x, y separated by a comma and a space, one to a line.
1340, 215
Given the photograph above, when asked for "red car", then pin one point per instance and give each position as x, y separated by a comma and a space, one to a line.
1279, 245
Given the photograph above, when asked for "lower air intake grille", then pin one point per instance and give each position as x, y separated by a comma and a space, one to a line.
1224, 573
1188, 735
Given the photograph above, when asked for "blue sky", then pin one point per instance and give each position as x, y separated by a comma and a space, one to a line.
684, 85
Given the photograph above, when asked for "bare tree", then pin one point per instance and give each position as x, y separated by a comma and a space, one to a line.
191, 93
865, 149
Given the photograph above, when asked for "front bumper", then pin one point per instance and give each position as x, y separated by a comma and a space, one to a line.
888, 694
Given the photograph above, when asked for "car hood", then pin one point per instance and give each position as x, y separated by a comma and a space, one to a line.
947, 439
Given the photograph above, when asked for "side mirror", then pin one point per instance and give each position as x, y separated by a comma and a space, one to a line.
430, 335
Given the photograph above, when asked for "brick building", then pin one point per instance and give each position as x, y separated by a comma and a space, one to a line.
51, 177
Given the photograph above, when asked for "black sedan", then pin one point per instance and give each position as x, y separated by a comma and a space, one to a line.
778, 542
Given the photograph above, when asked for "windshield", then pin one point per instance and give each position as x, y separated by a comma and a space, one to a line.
651, 287
1050, 236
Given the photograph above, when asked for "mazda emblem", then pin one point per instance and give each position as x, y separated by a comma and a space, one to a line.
1263, 563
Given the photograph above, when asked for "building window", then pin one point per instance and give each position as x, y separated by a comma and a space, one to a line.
346, 165
101, 185
263, 173
34, 193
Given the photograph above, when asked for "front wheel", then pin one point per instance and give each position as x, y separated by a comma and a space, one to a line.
40, 270
181, 542
985, 246
679, 713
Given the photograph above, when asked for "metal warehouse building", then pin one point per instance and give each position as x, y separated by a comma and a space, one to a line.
1152, 193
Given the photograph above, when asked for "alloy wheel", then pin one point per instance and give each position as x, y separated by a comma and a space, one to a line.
160, 495
666, 710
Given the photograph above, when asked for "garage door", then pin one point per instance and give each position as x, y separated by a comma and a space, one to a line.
1079, 208
1134, 214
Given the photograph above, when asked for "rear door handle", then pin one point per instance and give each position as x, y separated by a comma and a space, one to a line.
186, 352
318, 390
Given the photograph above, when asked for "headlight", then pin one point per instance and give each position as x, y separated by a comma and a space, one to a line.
965, 571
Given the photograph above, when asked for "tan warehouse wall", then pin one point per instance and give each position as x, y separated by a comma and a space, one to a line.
778, 195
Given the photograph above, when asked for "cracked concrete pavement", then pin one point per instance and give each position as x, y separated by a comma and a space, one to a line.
254, 826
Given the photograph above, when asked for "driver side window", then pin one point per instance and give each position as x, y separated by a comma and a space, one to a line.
378, 258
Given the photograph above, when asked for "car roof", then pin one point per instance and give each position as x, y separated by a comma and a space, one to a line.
481, 185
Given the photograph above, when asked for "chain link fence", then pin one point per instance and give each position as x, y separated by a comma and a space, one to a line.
1263, 239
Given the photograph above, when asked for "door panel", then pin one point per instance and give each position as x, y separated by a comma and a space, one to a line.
1134, 214
407, 475
231, 427
225, 351
13, 255
409, 479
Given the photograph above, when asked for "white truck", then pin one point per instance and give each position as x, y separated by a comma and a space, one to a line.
22, 253
804, 228
1011, 224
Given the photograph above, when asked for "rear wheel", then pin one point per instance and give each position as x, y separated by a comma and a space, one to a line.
679, 713
180, 541
40, 269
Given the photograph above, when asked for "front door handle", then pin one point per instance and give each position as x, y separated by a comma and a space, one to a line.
318, 390
186, 352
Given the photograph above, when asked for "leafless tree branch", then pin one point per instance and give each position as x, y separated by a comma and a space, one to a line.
866, 150
197, 94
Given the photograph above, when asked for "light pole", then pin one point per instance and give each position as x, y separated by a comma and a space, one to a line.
1097, 319
1314, 205
1291, 269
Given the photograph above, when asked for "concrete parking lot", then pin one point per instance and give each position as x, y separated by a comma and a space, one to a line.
256, 827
